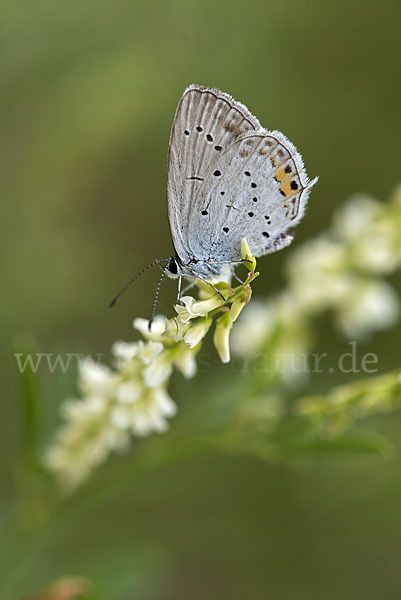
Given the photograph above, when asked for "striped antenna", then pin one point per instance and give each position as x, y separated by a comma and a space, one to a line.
121, 292
155, 300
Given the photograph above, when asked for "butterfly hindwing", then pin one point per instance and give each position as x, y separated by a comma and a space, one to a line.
258, 189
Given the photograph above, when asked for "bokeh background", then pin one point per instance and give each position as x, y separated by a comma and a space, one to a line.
88, 92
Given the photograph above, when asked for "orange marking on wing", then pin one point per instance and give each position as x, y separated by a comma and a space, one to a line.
286, 189
281, 175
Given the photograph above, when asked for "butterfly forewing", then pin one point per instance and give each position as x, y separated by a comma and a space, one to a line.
206, 123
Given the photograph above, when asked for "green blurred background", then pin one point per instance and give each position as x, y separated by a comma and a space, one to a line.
88, 95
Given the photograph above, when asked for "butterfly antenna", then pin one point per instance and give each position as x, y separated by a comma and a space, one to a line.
155, 300
121, 292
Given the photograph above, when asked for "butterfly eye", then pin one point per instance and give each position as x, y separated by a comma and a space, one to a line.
172, 266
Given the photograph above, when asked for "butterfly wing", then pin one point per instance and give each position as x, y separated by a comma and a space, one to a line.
206, 124
257, 188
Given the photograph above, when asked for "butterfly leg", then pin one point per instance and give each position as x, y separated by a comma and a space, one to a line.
229, 262
237, 278
179, 288
188, 287
212, 286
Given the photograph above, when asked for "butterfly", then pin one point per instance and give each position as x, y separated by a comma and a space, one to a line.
227, 178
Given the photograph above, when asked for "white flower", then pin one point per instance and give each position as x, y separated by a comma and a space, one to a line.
125, 354
221, 337
371, 232
132, 398
125, 350
185, 313
84, 441
240, 302
203, 307
151, 413
374, 305
130, 391
193, 308
291, 357
318, 275
77, 409
164, 402
148, 351
157, 331
175, 330
185, 362
120, 416
95, 378
197, 332
353, 220
376, 253
159, 370
254, 328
